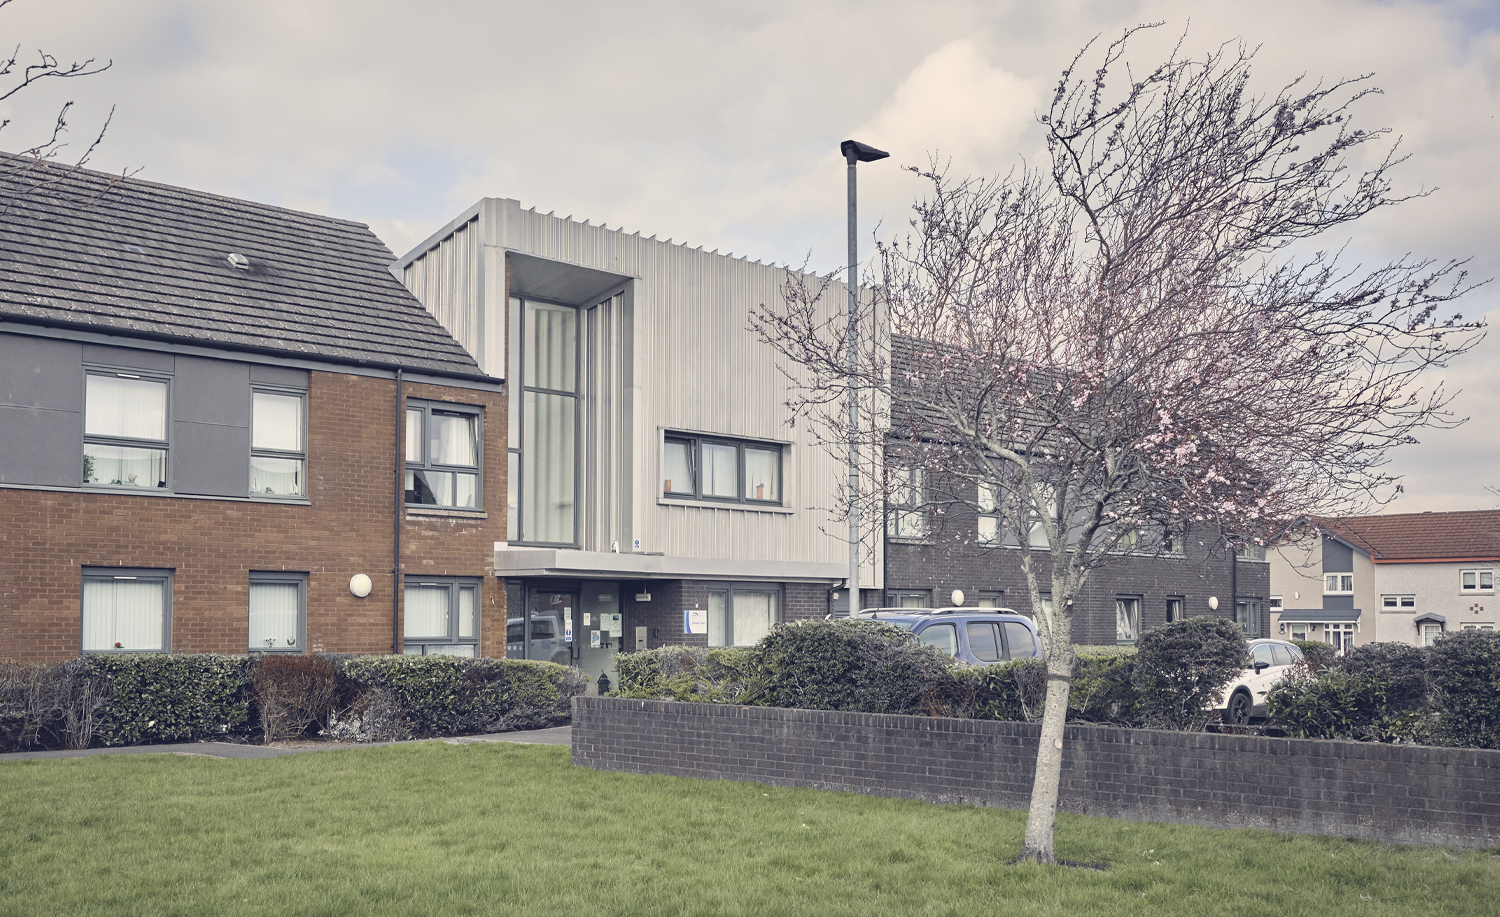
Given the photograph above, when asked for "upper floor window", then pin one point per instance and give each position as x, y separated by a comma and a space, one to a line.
710, 468
442, 455
988, 505
278, 445
907, 516
125, 429
543, 423
1477, 580
1338, 583
1251, 552
126, 611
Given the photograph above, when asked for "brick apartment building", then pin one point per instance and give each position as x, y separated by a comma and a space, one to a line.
205, 405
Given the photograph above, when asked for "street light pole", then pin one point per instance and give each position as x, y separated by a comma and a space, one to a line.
854, 153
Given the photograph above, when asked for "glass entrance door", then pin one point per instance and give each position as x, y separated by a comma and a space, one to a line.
601, 633
545, 631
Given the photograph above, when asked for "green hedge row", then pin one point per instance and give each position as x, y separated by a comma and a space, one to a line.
116, 700
1448, 694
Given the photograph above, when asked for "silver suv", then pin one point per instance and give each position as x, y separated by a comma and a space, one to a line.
978, 636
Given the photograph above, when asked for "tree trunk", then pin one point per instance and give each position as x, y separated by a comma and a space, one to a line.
1036, 847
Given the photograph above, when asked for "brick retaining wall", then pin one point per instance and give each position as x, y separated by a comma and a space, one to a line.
1402, 794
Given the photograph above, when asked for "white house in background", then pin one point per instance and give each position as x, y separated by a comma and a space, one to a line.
1402, 578
657, 491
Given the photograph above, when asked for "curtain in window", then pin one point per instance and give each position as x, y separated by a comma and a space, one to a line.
125, 612
468, 611
273, 615
133, 408
753, 614
716, 614
426, 611
677, 475
452, 440
125, 465
414, 436
762, 474
548, 494
275, 475
721, 470
1127, 619
277, 423
552, 350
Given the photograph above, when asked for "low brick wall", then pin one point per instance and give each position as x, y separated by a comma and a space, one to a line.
1402, 794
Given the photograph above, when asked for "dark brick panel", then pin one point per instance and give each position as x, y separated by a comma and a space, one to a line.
1401, 794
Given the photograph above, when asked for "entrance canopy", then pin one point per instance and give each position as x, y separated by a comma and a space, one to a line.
514, 563
1320, 616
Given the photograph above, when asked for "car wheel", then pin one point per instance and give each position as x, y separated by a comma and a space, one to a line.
1238, 711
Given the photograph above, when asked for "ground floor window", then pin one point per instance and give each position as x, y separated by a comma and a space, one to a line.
1247, 616
1174, 610
126, 610
1430, 633
278, 612
1339, 636
1127, 619
1298, 631
908, 599
442, 617
740, 615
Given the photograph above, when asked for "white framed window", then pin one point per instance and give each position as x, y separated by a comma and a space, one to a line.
1430, 633
1298, 631
1339, 636
1398, 602
1251, 552
740, 614
906, 517
988, 505
1275, 605
278, 612
278, 442
1037, 533
442, 455
441, 617
1127, 619
700, 467
126, 610
1476, 580
125, 429
1338, 583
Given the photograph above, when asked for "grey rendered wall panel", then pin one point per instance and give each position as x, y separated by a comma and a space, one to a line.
211, 427
128, 357
41, 411
278, 375
697, 367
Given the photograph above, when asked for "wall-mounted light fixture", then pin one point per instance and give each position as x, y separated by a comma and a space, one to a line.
958, 598
1213, 603
359, 585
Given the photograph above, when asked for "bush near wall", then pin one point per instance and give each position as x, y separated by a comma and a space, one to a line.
1465, 672
135, 699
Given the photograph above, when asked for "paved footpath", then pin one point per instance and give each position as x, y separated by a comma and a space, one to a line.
558, 735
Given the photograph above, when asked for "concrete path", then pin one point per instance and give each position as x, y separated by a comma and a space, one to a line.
558, 735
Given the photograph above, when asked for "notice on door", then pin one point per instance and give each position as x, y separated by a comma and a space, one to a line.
695, 621
593, 639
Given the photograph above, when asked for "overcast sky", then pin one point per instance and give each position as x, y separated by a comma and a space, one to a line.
717, 124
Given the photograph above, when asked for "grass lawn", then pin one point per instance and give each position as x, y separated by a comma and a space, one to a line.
444, 829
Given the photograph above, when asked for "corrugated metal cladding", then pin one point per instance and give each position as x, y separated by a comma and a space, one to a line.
447, 281
672, 352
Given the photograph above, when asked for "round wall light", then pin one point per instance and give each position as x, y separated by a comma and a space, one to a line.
1213, 603
958, 598
359, 584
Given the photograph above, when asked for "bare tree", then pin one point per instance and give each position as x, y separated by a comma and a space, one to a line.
1140, 340
29, 169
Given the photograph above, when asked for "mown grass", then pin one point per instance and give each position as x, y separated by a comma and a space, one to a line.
445, 829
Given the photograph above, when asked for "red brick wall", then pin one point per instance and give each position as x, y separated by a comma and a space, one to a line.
46, 537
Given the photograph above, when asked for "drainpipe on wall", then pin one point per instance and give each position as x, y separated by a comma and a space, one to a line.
396, 517
1234, 586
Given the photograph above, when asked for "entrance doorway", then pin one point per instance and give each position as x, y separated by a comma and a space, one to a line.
570, 622
601, 633
545, 630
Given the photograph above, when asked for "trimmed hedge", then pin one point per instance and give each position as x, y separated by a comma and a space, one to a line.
136, 699
1465, 671
848, 664
1183, 668
686, 673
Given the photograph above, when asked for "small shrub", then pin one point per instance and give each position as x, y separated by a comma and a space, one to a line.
45, 705
1317, 655
1340, 705
1465, 672
292, 694
686, 673
1182, 669
1104, 689
844, 664
1400, 667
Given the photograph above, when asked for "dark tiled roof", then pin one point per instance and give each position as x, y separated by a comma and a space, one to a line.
139, 259
1472, 535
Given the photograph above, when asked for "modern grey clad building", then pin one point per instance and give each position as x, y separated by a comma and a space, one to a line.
657, 491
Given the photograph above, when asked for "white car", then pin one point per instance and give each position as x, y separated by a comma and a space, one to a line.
1246, 695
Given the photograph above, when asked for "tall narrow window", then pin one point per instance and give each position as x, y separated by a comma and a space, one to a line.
988, 506
126, 611
907, 515
1247, 616
278, 449
549, 422
442, 617
278, 612
1174, 610
442, 455
124, 430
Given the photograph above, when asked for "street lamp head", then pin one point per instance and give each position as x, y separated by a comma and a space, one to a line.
854, 151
